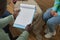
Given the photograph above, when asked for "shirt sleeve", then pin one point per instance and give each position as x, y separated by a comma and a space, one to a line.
5, 21
56, 4
23, 36
3, 35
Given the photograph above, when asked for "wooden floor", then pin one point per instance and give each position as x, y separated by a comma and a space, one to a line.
57, 37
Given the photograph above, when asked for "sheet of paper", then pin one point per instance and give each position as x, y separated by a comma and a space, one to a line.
25, 16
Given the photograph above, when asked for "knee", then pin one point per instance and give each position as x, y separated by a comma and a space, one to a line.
50, 22
44, 17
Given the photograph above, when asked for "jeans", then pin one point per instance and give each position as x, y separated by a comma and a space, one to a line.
50, 20
6, 13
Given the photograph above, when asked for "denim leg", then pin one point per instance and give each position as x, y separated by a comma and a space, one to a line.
47, 15
6, 13
52, 22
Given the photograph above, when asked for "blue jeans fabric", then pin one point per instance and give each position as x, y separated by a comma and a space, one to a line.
50, 20
6, 13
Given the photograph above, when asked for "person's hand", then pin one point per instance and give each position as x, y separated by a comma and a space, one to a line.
53, 13
29, 28
16, 11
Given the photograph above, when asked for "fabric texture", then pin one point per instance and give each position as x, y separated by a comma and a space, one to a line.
51, 21
23, 36
56, 6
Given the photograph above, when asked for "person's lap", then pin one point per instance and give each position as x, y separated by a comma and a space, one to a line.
51, 21
48, 17
6, 13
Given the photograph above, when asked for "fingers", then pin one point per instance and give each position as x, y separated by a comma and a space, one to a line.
29, 25
53, 13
